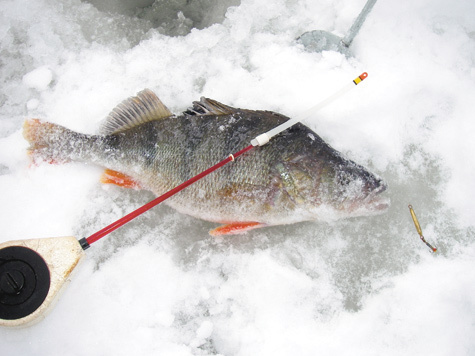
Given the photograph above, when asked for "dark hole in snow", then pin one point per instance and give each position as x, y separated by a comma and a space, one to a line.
169, 17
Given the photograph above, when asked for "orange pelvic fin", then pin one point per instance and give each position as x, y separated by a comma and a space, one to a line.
235, 228
113, 177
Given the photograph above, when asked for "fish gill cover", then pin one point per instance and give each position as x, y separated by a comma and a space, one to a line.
161, 285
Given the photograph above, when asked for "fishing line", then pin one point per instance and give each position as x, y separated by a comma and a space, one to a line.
258, 141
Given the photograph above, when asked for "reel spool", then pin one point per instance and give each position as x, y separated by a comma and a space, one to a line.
32, 275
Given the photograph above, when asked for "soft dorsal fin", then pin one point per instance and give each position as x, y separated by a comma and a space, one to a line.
136, 110
208, 106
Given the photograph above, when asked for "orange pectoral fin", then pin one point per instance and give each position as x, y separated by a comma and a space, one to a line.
235, 228
113, 177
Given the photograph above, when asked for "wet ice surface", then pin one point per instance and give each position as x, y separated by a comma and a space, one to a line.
162, 285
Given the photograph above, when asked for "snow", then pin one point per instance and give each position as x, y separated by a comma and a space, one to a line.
38, 78
161, 284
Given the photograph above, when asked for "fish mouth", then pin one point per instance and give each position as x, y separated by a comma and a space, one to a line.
375, 202
370, 202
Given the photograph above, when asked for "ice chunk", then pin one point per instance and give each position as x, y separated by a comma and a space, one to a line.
32, 104
39, 78
204, 332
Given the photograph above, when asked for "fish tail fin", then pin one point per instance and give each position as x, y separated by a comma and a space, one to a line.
46, 141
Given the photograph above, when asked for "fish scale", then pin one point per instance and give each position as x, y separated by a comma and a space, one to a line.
295, 177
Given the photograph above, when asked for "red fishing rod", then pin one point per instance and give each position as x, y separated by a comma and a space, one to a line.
258, 141
86, 242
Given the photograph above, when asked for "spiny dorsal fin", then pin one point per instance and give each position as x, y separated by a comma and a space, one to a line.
144, 107
208, 106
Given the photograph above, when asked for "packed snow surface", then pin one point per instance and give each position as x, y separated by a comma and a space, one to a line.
161, 285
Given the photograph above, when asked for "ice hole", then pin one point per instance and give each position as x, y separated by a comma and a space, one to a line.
170, 17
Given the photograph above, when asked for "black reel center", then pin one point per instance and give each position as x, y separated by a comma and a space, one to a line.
24, 282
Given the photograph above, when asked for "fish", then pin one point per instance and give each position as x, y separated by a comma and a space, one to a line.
141, 144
